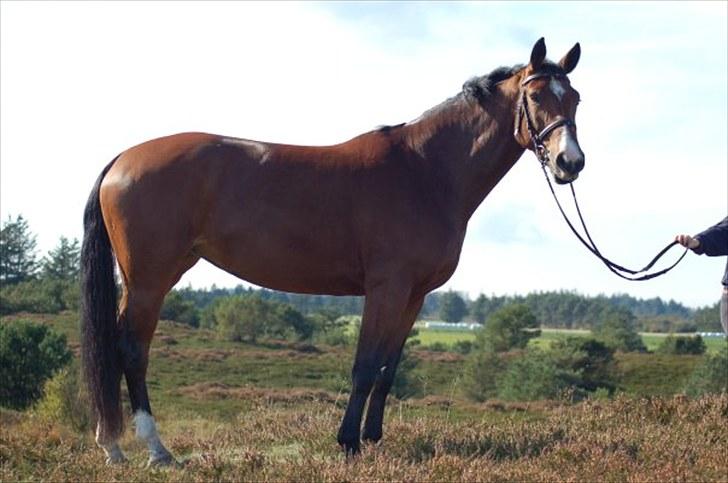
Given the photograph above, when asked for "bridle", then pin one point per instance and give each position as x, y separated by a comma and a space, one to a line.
537, 139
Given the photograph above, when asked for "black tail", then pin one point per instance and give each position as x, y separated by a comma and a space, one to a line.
99, 332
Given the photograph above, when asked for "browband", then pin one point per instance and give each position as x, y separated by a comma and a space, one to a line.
540, 75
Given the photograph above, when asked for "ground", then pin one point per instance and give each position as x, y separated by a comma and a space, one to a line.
231, 411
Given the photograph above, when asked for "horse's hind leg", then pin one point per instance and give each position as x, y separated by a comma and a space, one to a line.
139, 314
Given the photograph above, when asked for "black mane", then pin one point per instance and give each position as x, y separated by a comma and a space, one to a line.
482, 88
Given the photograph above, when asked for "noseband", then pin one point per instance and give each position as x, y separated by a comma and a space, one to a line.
538, 138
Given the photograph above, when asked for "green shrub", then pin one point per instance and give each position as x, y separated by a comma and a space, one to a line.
48, 296
438, 347
591, 362
617, 330
463, 347
482, 372
710, 376
65, 400
535, 375
507, 329
681, 345
249, 317
406, 383
29, 355
179, 309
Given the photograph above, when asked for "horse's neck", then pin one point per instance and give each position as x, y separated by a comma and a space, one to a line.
474, 146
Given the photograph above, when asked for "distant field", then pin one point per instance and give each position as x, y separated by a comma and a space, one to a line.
652, 340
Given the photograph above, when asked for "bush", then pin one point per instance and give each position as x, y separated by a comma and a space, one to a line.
681, 345
507, 328
463, 347
590, 360
577, 365
617, 330
249, 317
48, 296
66, 400
710, 376
406, 383
483, 370
330, 328
438, 347
29, 355
536, 375
179, 309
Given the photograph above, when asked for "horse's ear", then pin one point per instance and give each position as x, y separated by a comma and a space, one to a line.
538, 54
571, 58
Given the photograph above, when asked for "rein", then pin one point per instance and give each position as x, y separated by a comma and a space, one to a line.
539, 148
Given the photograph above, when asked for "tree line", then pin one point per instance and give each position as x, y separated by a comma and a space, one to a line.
50, 284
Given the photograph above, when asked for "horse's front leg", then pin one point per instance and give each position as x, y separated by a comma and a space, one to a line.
395, 338
384, 307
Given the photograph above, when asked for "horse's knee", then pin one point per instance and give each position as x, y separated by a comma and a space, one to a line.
363, 377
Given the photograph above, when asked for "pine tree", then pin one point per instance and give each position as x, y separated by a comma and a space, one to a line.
17, 251
63, 262
452, 307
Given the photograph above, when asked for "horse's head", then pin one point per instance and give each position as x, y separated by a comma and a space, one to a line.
546, 110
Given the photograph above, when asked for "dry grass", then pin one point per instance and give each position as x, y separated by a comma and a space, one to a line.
628, 439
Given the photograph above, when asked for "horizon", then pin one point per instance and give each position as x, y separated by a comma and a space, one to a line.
653, 122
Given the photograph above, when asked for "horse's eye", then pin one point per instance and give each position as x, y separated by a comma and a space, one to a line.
534, 96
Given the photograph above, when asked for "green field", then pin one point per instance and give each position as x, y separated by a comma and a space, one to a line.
428, 337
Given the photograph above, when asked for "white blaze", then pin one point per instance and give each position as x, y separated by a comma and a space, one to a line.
568, 145
557, 88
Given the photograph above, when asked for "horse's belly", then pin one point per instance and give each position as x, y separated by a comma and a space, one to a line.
286, 265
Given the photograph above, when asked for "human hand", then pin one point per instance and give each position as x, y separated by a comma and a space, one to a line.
687, 241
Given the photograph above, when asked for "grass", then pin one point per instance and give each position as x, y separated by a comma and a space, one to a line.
625, 439
429, 337
236, 411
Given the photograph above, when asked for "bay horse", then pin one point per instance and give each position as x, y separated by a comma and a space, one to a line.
382, 215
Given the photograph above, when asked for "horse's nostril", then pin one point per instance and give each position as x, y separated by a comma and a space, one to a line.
561, 162
571, 166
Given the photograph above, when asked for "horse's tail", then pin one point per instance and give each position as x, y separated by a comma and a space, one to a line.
99, 332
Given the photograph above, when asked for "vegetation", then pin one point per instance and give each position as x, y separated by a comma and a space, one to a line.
509, 328
29, 355
452, 307
617, 331
261, 412
710, 376
682, 345
18, 258
251, 384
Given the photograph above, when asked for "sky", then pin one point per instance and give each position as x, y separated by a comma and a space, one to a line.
81, 82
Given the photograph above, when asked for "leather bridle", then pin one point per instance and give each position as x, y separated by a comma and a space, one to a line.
539, 148
538, 139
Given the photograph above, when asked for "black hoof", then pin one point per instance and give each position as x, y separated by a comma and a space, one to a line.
372, 438
351, 448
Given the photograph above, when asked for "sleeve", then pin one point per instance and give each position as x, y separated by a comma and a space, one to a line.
714, 240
